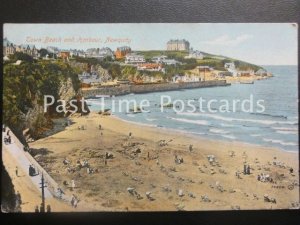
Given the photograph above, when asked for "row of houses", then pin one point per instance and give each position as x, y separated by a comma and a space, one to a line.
157, 63
100, 53
10, 49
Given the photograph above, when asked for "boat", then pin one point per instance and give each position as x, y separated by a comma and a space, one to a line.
247, 82
135, 110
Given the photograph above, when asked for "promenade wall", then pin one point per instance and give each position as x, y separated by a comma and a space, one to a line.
125, 89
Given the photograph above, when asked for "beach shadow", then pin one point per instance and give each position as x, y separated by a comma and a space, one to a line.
39, 151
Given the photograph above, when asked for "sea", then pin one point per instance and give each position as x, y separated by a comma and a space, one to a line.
267, 117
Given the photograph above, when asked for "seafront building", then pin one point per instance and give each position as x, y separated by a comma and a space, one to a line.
178, 45
230, 67
179, 78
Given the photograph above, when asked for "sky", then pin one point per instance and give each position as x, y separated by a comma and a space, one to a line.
258, 43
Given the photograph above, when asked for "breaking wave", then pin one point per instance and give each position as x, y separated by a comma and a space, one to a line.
199, 122
230, 119
280, 142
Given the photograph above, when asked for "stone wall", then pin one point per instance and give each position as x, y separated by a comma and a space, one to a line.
146, 88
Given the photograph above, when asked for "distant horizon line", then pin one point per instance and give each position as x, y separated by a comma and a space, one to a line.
280, 65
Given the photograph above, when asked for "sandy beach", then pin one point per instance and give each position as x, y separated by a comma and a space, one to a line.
142, 174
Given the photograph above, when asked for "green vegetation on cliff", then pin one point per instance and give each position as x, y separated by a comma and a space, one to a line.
24, 87
215, 61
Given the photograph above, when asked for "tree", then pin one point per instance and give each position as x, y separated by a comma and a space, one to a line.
21, 56
43, 52
115, 71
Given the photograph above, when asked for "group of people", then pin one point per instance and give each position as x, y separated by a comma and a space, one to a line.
264, 177
178, 160
82, 127
7, 139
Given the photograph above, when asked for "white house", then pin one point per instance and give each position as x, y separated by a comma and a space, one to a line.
230, 67
185, 78
159, 59
178, 78
134, 59
89, 78
194, 55
164, 59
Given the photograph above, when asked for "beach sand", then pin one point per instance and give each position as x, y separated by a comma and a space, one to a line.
130, 167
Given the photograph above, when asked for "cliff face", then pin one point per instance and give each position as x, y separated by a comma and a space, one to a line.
36, 121
24, 88
66, 90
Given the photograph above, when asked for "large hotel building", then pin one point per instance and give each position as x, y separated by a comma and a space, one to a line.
178, 45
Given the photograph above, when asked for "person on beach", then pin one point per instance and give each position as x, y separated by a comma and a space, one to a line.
245, 169
17, 171
30, 170
5, 140
248, 170
74, 201
72, 185
9, 140
100, 127
191, 148
59, 193
130, 134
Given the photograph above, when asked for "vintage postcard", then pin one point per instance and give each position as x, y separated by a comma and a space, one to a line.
150, 117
